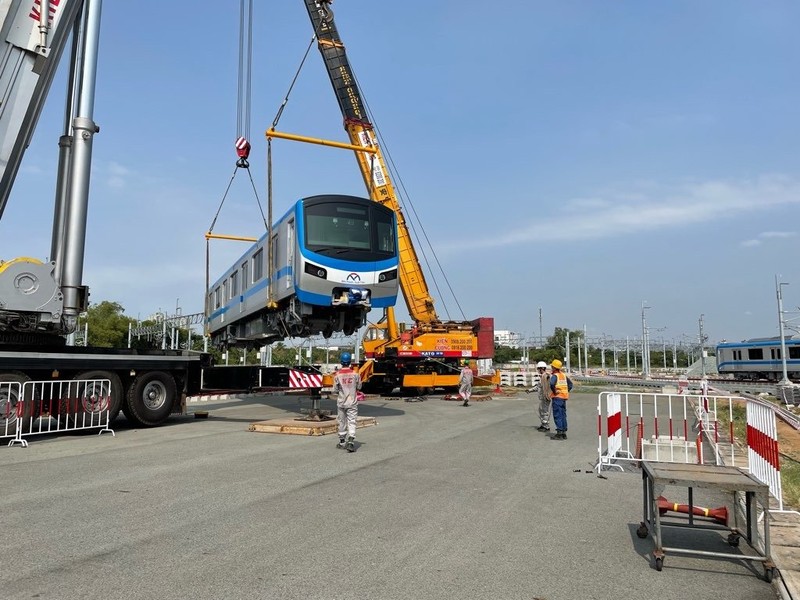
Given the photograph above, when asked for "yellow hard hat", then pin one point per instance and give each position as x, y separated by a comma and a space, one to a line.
556, 364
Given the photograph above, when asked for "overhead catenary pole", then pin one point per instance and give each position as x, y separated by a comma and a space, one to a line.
778, 284
702, 348
567, 355
645, 344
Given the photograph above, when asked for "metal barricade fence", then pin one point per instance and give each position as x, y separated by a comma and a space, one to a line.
10, 392
636, 426
56, 406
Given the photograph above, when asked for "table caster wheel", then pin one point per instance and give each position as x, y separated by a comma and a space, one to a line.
769, 574
659, 564
733, 539
641, 531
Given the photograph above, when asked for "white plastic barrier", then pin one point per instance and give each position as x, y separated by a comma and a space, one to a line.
635, 426
56, 406
506, 378
763, 457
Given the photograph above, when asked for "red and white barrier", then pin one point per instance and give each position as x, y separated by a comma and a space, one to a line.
303, 380
763, 457
635, 426
613, 431
57, 406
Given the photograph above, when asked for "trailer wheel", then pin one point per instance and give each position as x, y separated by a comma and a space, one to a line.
150, 398
100, 390
10, 397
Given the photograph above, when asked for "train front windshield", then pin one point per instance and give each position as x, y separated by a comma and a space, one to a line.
350, 231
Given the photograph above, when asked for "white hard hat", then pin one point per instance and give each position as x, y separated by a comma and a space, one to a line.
541, 365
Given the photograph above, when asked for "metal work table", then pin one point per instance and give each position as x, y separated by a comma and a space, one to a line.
656, 476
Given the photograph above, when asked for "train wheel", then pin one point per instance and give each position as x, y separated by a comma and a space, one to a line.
10, 397
150, 398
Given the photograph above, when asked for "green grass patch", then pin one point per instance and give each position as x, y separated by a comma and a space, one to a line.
790, 481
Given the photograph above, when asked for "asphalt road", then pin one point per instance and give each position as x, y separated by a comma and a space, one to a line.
439, 501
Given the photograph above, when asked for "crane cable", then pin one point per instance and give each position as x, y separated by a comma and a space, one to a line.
390, 165
242, 145
275, 120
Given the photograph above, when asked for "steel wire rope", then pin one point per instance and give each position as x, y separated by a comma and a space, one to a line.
243, 110
407, 200
275, 120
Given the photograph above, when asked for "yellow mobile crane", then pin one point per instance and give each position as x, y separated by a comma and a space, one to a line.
427, 354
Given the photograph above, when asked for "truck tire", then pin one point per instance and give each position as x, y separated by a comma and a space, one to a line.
9, 400
116, 392
150, 398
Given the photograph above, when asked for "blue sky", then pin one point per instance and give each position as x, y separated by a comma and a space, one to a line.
579, 157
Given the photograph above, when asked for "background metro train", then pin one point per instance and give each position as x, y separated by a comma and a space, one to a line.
335, 258
759, 359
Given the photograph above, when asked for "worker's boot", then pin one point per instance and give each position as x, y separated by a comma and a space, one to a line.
341, 445
465, 403
350, 445
543, 427
563, 435
559, 435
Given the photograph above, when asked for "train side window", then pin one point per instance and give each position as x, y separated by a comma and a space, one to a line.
737, 355
755, 353
224, 290
794, 352
216, 298
245, 281
775, 353
258, 265
234, 284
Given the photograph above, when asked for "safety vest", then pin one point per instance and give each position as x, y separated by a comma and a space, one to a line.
562, 389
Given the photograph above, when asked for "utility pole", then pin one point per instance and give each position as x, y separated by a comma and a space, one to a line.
541, 337
567, 352
785, 380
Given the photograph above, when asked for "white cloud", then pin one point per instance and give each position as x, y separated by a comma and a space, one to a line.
653, 208
118, 176
778, 234
767, 235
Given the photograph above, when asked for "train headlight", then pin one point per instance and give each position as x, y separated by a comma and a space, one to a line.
387, 275
316, 271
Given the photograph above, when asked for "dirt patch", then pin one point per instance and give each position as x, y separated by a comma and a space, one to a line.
788, 440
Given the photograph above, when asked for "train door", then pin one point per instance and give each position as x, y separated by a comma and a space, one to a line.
290, 253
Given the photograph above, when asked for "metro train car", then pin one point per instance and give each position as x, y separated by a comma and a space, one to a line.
759, 359
335, 258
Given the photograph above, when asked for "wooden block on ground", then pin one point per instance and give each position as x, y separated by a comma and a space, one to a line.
301, 427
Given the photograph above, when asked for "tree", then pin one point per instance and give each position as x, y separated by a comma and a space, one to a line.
108, 327
505, 354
